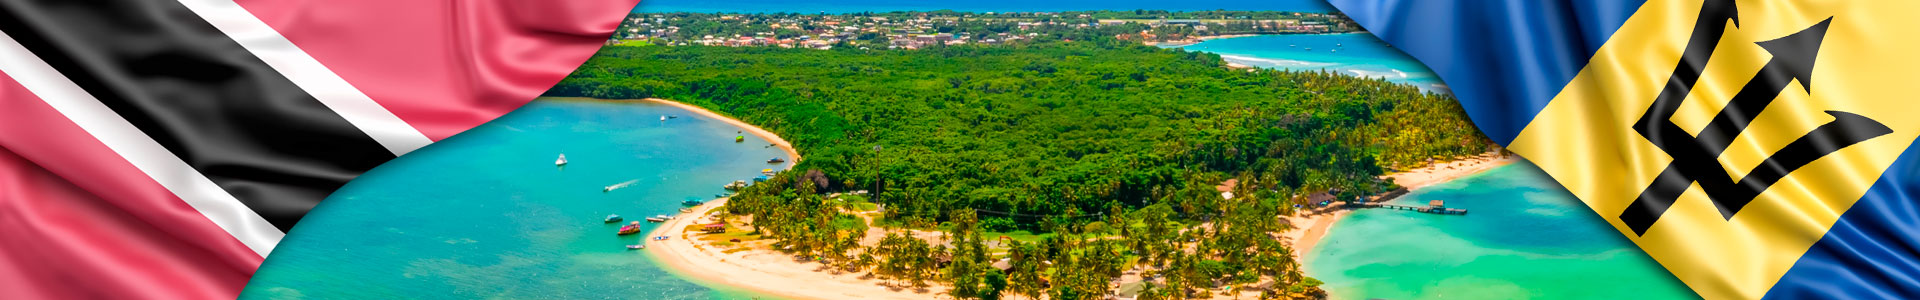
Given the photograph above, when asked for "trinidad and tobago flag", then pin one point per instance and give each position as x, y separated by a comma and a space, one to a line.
158, 149
1755, 148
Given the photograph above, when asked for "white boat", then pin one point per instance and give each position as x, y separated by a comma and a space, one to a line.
663, 118
562, 161
617, 186
659, 219
636, 247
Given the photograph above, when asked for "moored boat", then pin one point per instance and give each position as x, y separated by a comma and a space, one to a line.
636, 247
692, 202
659, 218
631, 228
775, 160
613, 218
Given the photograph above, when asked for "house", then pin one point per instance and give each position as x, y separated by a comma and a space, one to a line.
1226, 188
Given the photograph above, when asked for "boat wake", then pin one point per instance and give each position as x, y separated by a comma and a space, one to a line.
621, 185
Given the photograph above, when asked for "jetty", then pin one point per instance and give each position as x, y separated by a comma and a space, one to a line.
1433, 207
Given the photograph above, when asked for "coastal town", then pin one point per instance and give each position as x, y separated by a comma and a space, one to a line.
916, 30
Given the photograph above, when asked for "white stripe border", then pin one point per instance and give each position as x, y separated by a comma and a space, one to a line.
308, 73
136, 147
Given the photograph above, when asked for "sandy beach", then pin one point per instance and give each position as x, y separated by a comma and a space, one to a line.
760, 270
764, 270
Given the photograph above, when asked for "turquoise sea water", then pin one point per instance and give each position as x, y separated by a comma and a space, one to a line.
487, 215
852, 6
1356, 54
1524, 238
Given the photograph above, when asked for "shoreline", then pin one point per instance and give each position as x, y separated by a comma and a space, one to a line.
702, 111
748, 128
1322, 220
759, 270
776, 274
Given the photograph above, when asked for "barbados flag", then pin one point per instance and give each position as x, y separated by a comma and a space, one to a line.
1757, 149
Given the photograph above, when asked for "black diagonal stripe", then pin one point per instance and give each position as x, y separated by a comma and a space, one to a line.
202, 96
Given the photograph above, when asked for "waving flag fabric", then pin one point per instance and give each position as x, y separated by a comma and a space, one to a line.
1757, 149
159, 149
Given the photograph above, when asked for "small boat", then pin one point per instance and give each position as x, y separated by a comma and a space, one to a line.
686, 210
631, 228
663, 118
768, 172
775, 160
737, 184
739, 139
613, 218
760, 178
659, 219
673, 116
1309, 48
719, 195
692, 202
660, 238
562, 161
636, 247
616, 186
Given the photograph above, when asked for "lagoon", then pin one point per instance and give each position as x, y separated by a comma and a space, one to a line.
486, 214
1526, 238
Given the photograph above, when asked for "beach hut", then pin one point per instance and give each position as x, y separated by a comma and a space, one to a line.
714, 228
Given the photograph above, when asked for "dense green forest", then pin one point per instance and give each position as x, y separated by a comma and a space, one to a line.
1054, 129
1112, 149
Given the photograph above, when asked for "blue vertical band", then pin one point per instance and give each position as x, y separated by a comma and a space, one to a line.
1503, 59
1870, 253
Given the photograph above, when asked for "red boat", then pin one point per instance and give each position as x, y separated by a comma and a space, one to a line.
631, 228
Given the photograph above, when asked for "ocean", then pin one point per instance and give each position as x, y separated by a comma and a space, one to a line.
1355, 54
1523, 238
486, 214
854, 6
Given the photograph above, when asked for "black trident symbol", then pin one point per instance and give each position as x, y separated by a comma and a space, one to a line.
1695, 156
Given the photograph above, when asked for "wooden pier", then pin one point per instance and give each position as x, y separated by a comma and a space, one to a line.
1434, 207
